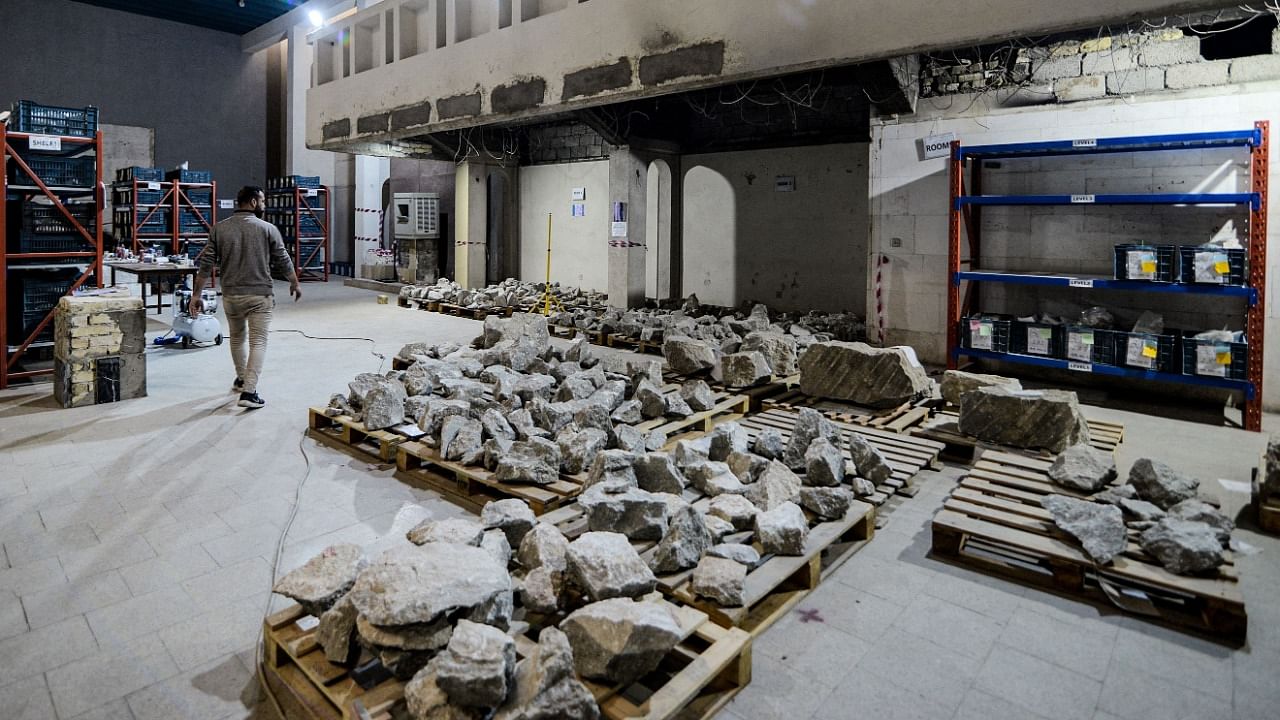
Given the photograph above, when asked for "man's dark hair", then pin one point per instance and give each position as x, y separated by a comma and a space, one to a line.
247, 194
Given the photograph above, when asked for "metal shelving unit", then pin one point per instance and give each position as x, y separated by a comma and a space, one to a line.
187, 211
965, 225
53, 168
302, 216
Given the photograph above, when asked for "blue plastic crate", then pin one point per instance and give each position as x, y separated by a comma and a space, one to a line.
124, 196
1210, 358
30, 117
1211, 266
289, 182
190, 176
199, 197
141, 174
76, 172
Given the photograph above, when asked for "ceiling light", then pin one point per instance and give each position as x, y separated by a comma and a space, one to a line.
316, 18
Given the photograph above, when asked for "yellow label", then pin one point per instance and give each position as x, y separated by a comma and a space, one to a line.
1222, 267
1224, 357
1148, 266
1149, 350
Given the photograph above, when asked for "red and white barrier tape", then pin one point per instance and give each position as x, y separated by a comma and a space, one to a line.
881, 261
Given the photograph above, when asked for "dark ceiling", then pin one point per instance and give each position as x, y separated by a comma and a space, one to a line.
224, 15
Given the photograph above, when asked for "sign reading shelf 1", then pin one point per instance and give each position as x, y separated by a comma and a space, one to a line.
45, 142
938, 146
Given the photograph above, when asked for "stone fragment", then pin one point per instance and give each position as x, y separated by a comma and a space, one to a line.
737, 552
620, 640
542, 590
384, 406
462, 389
437, 411
359, 388
744, 369
627, 439
777, 486
576, 387
414, 637
727, 438
652, 402
1114, 494
462, 439
686, 356
513, 517
824, 464
656, 472
828, 503
746, 466
861, 374
426, 700
1184, 547
1048, 419
687, 538
720, 579
460, 531
713, 478
863, 487
624, 509
735, 509
1083, 468
655, 440
810, 425
628, 413
869, 462
337, 632
1269, 473
323, 579
578, 448
769, 445
543, 546
418, 584
677, 407
478, 667
1141, 509
782, 530
496, 544
957, 383
691, 452
717, 527
1160, 484
1196, 510
494, 450
546, 686
1098, 527
612, 466
526, 463
604, 565
496, 425
779, 351
698, 395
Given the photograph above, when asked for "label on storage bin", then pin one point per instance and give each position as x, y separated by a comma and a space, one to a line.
1141, 264
1140, 352
1084, 143
1080, 345
45, 142
1080, 366
1078, 199
979, 335
1079, 283
226, 204
1038, 340
311, 192
1209, 360
1210, 267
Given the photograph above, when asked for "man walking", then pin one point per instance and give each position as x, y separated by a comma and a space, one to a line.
246, 249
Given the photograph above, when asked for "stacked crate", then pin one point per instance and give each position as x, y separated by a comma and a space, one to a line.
298, 206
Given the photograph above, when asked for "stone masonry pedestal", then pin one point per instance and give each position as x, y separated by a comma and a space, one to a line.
99, 349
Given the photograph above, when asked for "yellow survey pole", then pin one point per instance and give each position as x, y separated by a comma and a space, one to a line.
547, 298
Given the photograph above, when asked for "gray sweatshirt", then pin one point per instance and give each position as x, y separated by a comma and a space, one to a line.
245, 250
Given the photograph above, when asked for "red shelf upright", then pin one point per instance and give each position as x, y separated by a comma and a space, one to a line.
12, 146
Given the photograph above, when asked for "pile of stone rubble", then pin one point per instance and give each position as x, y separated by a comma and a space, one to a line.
508, 293
1182, 532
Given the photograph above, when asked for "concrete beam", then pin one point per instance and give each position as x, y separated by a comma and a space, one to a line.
268, 34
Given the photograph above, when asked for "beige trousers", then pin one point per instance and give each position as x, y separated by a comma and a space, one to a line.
249, 317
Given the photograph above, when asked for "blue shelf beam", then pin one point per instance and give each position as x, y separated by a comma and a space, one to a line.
1093, 146
1253, 200
1243, 386
1248, 293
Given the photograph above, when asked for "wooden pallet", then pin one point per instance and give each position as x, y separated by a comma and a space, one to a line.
906, 455
993, 521
345, 433
472, 487
727, 407
418, 303
944, 427
759, 395
564, 332
473, 313
705, 670
774, 586
309, 686
634, 344
900, 419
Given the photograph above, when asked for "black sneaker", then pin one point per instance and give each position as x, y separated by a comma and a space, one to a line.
237, 386
251, 401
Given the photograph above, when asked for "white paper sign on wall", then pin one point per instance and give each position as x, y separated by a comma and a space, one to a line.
618, 229
580, 193
938, 146
226, 204
784, 183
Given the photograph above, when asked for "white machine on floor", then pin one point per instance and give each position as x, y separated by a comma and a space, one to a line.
187, 329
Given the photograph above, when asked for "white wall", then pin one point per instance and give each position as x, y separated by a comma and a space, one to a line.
909, 202
801, 250
579, 245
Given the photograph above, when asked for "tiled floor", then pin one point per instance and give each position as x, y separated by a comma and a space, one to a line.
138, 542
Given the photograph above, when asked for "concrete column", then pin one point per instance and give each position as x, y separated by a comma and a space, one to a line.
470, 217
370, 174
628, 184
298, 159
666, 253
